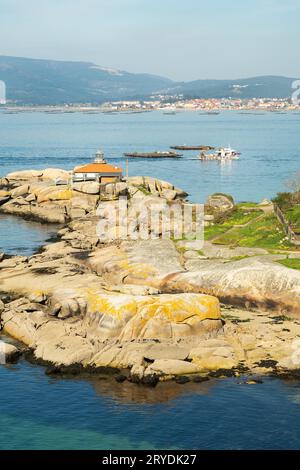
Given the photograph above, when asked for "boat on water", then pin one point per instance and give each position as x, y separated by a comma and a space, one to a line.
153, 155
170, 113
136, 111
192, 147
222, 154
213, 113
278, 112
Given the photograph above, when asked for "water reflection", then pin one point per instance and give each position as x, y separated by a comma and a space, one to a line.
97, 412
21, 237
127, 392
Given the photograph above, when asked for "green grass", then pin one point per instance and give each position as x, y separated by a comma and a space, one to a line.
237, 217
293, 263
144, 191
200, 252
213, 231
265, 232
293, 216
247, 204
181, 249
237, 258
240, 217
283, 200
188, 238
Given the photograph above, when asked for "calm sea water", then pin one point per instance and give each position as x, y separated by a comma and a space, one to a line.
38, 412
18, 237
42, 413
270, 146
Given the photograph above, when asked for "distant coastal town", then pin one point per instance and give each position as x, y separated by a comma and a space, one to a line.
169, 105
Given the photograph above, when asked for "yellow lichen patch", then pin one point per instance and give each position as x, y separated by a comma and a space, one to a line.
138, 270
38, 292
173, 307
181, 307
117, 305
61, 195
135, 314
4, 193
214, 363
51, 193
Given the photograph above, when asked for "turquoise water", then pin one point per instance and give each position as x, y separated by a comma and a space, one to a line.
269, 144
38, 412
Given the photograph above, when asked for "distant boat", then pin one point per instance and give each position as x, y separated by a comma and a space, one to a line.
192, 147
253, 113
223, 154
170, 113
153, 155
212, 113
277, 111
136, 111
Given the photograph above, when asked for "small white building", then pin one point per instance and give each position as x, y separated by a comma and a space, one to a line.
99, 170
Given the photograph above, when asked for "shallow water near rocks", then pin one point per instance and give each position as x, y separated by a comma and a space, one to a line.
21, 237
38, 412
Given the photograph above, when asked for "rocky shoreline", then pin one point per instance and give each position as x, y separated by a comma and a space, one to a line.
149, 309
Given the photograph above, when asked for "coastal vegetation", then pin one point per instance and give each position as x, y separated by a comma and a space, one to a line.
261, 232
249, 224
293, 263
287, 205
293, 217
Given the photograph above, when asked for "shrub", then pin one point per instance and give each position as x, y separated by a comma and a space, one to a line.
284, 200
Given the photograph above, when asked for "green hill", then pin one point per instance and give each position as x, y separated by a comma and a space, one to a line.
34, 81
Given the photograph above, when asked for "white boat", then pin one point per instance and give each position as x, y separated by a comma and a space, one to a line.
227, 153
222, 154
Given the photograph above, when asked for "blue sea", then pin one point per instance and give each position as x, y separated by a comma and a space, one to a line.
269, 143
39, 412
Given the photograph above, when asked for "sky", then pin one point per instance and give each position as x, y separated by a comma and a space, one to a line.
179, 39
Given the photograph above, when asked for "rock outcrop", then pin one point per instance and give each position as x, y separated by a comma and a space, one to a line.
97, 329
220, 203
256, 281
50, 196
115, 300
8, 353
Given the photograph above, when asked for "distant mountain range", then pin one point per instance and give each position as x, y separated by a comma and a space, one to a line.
34, 81
255, 87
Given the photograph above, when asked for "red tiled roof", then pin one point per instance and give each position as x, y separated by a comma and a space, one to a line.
98, 168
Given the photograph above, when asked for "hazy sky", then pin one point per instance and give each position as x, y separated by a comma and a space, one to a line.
181, 39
